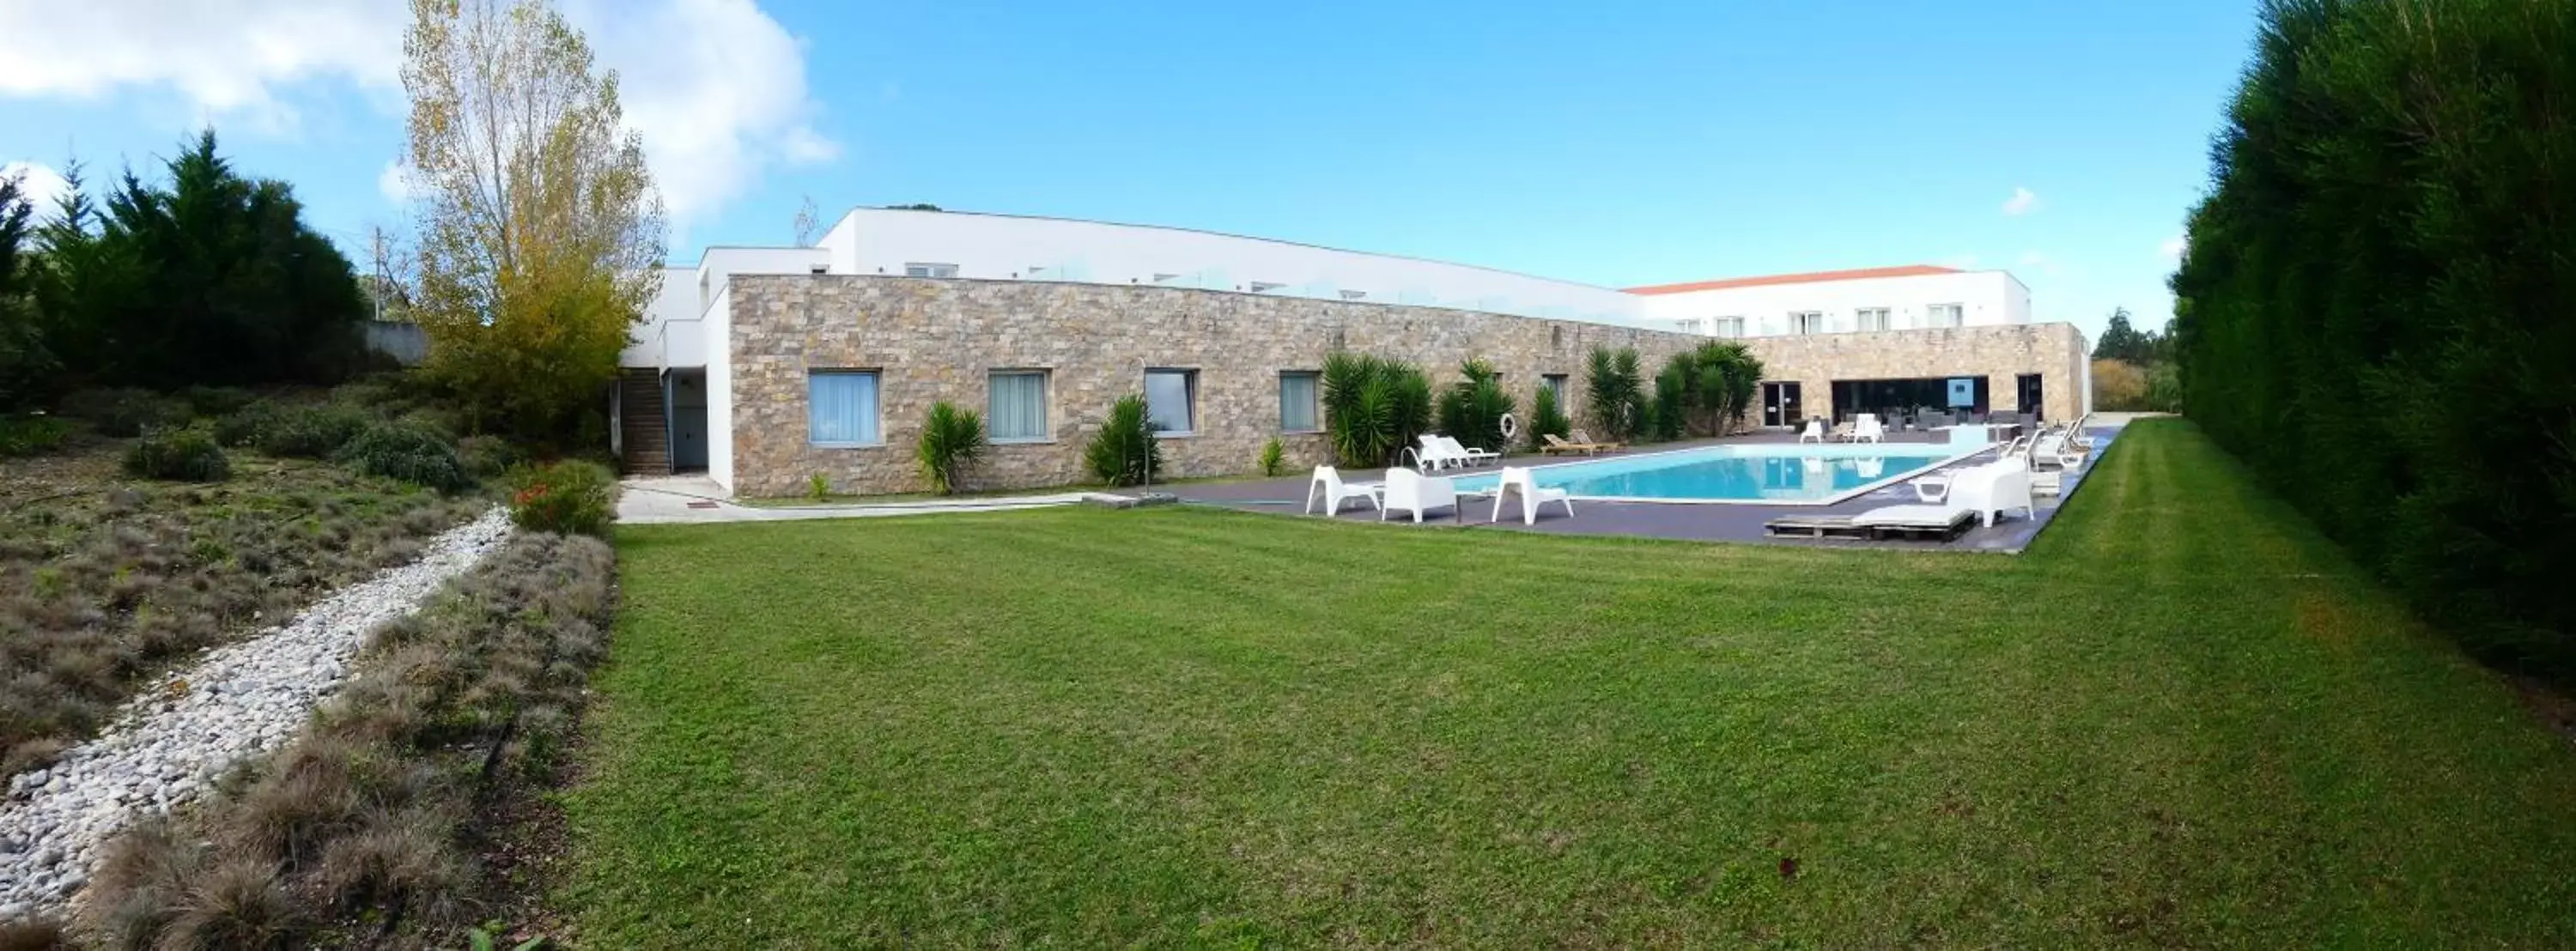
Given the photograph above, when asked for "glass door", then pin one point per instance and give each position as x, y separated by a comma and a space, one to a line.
1780, 404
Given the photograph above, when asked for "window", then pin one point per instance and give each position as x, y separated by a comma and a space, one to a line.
841, 408
1170, 398
1873, 318
1297, 403
1018, 406
1264, 287
1555, 384
1689, 326
1806, 322
911, 269
1945, 315
1354, 295
1730, 326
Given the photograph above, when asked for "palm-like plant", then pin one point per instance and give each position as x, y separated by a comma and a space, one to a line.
1473, 410
1612, 391
952, 439
1124, 451
1373, 407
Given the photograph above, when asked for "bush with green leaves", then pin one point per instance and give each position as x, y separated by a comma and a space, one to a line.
1374, 408
125, 411
1708, 387
1273, 456
1547, 418
952, 439
1669, 416
1124, 452
243, 427
186, 454
1472, 409
1613, 392
567, 498
32, 435
212, 402
487, 457
2371, 308
407, 451
312, 432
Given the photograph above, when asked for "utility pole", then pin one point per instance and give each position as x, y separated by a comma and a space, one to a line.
376, 239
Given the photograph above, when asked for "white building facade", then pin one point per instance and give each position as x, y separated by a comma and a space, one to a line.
1918, 297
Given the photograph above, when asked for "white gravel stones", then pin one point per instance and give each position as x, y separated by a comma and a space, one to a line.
238, 701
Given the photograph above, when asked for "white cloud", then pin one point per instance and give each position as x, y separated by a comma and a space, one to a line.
2023, 202
716, 87
43, 186
2173, 247
395, 183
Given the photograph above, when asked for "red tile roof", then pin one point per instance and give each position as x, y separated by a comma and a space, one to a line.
1909, 270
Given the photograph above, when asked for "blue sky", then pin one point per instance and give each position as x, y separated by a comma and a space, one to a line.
1616, 144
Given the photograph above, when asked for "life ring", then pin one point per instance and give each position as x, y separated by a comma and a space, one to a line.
1511, 427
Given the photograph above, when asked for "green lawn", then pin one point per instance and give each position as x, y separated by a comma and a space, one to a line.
2181, 719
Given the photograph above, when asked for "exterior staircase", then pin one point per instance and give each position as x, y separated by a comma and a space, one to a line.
644, 435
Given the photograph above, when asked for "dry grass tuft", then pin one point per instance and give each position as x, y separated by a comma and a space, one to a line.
373, 814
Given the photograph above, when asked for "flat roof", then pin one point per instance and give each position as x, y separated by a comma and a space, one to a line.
1809, 277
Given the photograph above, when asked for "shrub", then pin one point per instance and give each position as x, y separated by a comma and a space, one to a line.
1472, 409
2118, 386
123, 412
244, 427
1373, 407
951, 440
2371, 304
1124, 452
216, 401
407, 451
488, 457
818, 487
1547, 418
178, 455
1613, 392
567, 498
1272, 456
1709, 387
312, 432
31, 435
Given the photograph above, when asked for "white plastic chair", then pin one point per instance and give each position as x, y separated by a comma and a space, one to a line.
1869, 429
1519, 479
1328, 483
1993, 489
1411, 491
1815, 431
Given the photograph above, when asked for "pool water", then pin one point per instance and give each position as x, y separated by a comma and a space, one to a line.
1769, 473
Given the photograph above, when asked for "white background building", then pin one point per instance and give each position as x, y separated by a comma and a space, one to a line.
1893, 298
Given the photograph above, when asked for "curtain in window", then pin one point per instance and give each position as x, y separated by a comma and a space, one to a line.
1297, 402
1019, 406
842, 408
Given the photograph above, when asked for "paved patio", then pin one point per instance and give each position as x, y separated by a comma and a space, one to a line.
646, 500
1691, 522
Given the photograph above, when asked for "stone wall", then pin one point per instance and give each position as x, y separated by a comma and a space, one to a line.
935, 339
1998, 353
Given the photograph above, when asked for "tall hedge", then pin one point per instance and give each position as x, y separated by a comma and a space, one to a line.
2377, 310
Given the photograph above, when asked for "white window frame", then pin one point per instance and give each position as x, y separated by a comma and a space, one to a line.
1731, 328
876, 388
1046, 404
928, 269
1874, 318
1957, 314
1799, 322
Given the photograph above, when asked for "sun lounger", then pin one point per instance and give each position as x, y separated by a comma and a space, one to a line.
1583, 438
1932, 522
1555, 446
1814, 431
1472, 455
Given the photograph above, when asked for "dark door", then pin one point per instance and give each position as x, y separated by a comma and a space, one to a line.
688, 405
2028, 385
1780, 404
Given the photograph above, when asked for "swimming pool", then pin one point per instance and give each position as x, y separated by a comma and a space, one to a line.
1775, 473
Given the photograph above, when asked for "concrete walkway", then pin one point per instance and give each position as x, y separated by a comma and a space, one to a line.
647, 500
